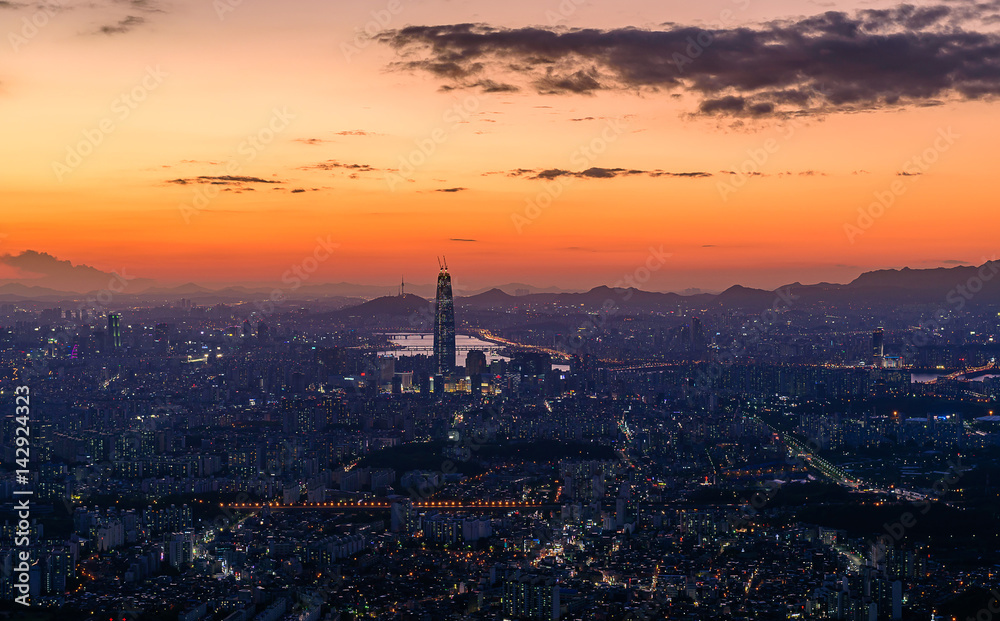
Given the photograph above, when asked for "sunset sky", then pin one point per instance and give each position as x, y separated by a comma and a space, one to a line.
194, 140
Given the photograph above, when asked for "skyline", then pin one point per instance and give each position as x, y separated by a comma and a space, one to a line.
179, 99
713, 330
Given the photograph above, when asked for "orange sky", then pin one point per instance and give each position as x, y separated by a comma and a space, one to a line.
208, 84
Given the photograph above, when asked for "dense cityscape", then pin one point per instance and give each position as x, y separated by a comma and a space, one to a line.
533, 310
815, 452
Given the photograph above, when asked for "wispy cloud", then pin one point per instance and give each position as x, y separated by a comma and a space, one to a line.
222, 180
353, 171
787, 173
123, 25
335, 165
596, 173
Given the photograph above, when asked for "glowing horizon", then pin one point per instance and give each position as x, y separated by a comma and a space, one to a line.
215, 142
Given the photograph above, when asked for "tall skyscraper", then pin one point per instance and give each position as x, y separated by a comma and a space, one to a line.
444, 323
115, 331
878, 348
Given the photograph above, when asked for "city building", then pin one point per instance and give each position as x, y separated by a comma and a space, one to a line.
531, 597
115, 331
878, 348
444, 324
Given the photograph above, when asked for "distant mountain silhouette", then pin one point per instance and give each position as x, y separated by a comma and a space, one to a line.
393, 305
909, 286
185, 289
885, 287
520, 288
941, 278
16, 291
739, 296
489, 299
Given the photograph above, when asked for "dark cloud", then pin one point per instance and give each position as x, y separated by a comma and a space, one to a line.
221, 180
123, 25
729, 103
45, 270
834, 61
452, 190
904, 173
491, 86
596, 173
459, 239
297, 191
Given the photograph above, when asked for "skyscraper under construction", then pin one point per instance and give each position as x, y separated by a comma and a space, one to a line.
444, 323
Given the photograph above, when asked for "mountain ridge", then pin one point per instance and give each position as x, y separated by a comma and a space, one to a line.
885, 286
